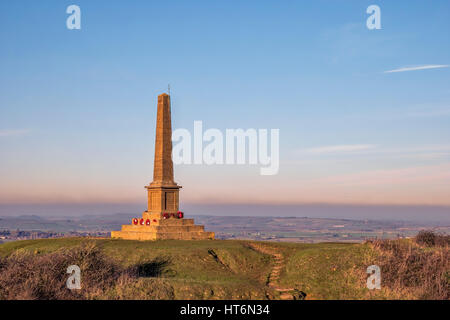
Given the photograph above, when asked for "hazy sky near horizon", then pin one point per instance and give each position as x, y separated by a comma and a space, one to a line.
364, 115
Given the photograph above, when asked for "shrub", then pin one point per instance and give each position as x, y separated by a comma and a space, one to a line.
405, 265
24, 275
32, 276
429, 238
426, 238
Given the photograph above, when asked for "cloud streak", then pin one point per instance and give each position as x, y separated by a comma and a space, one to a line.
13, 133
424, 67
340, 148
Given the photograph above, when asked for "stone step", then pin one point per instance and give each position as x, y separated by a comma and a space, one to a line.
136, 235
163, 228
194, 235
133, 235
286, 296
284, 289
175, 222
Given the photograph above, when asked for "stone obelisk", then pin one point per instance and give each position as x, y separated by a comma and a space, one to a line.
163, 191
162, 219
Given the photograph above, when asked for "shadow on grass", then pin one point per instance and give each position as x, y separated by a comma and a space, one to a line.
154, 268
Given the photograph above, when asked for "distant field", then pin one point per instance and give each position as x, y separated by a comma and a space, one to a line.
229, 269
292, 229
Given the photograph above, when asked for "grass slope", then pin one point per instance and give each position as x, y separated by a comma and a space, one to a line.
228, 269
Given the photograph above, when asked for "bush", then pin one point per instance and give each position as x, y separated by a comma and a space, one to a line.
429, 238
28, 276
405, 265
32, 276
426, 238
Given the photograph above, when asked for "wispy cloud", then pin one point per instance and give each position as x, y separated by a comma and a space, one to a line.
372, 152
424, 67
12, 133
388, 177
340, 148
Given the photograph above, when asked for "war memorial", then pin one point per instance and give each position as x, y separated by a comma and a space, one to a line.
163, 218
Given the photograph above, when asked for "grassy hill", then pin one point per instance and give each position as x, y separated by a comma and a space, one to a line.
218, 269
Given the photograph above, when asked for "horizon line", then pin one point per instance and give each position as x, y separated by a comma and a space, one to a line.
230, 204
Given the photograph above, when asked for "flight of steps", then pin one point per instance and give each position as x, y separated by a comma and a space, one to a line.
274, 275
164, 229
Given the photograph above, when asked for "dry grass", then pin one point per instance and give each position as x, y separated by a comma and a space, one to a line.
34, 276
419, 268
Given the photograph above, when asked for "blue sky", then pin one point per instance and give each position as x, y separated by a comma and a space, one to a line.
77, 107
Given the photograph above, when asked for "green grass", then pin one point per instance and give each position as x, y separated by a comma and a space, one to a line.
229, 269
330, 270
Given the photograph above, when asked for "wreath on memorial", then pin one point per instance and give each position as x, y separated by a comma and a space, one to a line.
147, 222
135, 221
141, 222
180, 214
165, 215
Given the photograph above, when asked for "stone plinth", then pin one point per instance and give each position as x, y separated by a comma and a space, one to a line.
160, 228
